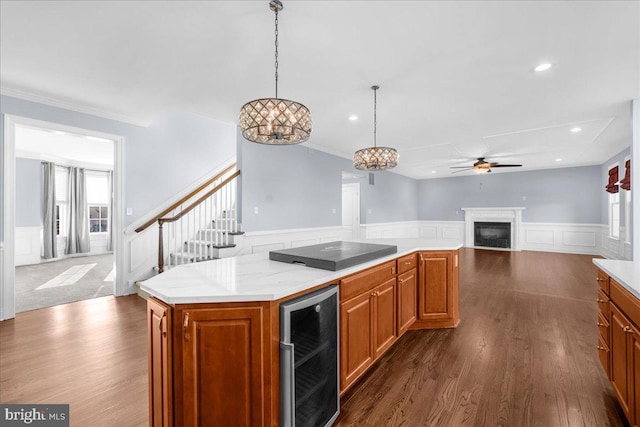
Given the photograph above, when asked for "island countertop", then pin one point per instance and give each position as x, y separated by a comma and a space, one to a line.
256, 278
627, 273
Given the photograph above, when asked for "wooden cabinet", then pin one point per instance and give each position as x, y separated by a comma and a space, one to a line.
407, 300
619, 343
159, 341
384, 317
223, 346
217, 364
437, 290
356, 338
367, 320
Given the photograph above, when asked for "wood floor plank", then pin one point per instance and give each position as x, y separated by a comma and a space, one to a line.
523, 355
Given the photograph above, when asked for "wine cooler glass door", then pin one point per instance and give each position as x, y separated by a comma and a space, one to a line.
309, 359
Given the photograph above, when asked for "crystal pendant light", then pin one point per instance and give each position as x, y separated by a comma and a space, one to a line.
275, 121
375, 158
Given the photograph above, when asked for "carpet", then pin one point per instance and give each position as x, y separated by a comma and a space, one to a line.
64, 281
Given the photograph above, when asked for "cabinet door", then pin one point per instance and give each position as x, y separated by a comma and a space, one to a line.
223, 347
160, 363
356, 337
620, 359
384, 316
434, 290
407, 300
634, 372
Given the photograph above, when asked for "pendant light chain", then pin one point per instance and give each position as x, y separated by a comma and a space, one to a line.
375, 114
276, 11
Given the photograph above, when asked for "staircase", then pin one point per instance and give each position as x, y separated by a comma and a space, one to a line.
201, 226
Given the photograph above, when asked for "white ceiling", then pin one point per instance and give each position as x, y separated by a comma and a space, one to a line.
65, 148
456, 79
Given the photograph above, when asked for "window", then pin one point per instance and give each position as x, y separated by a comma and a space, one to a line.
627, 215
98, 219
614, 215
98, 199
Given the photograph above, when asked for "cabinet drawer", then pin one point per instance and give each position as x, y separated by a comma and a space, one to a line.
603, 354
626, 301
407, 263
603, 328
365, 280
603, 281
603, 305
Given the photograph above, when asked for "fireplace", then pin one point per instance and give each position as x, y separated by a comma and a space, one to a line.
492, 234
511, 216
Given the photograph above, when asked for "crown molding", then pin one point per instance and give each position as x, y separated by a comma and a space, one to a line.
70, 105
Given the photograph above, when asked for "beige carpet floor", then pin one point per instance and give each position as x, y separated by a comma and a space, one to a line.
64, 281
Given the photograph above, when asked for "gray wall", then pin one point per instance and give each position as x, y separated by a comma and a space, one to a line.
298, 187
160, 161
568, 195
28, 193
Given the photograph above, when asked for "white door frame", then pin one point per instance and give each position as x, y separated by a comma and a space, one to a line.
356, 227
7, 275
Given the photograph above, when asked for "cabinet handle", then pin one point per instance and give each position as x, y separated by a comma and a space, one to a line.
185, 326
599, 279
628, 329
600, 324
600, 300
162, 325
400, 280
373, 293
407, 263
393, 270
601, 348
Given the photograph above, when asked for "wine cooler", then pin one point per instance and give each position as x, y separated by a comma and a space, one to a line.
309, 374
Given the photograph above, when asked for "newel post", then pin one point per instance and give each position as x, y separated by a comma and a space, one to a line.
160, 247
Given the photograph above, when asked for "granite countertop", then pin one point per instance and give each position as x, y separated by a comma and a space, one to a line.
627, 273
256, 278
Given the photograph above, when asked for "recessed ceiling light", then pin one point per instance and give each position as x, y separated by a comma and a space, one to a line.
558, 159
543, 67
433, 172
353, 117
58, 132
576, 129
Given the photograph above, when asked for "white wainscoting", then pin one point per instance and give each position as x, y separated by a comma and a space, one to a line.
450, 231
27, 248
265, 241
141, 249
398, 230
558, 237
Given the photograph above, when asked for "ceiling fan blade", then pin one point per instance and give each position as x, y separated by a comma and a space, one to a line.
505, 166
462, 170
461, 167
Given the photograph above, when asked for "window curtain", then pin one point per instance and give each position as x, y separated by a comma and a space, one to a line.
110, 227
612, 185
626, 181
78, 230
50, 234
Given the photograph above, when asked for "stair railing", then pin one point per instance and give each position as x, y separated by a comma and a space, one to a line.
191, 231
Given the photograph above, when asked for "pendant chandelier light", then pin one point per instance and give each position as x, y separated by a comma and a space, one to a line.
375, 158
275, 121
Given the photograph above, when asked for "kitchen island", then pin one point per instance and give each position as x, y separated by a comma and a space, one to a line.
619, 331
214, 326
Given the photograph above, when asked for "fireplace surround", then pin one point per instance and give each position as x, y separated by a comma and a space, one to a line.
511, 215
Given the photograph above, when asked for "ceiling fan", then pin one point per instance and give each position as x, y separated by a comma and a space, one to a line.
482, 166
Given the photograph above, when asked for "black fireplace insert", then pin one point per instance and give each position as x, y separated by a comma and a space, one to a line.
492, 234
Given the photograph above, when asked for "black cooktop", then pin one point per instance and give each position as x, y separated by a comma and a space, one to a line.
333, 255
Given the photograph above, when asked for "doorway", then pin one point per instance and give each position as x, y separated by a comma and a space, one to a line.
351, 209
31, 145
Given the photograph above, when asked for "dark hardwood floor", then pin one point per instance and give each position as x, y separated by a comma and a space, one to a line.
524, 354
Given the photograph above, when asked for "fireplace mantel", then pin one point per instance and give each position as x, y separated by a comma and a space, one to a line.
512, 215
